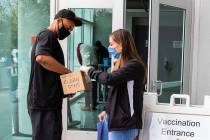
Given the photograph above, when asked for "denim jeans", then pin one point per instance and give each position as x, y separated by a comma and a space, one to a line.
124, 135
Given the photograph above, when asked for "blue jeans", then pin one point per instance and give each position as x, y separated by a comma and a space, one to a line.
124, 135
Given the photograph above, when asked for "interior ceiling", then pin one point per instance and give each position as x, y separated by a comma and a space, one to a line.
137, 4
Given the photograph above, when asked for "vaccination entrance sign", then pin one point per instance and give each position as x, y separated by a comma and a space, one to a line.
169, 126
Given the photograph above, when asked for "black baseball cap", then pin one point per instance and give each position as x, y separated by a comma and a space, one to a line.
68, 14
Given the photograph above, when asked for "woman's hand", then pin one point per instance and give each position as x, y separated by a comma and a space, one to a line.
102, 116
85, 69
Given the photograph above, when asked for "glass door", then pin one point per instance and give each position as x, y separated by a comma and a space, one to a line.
169, 48
100, 18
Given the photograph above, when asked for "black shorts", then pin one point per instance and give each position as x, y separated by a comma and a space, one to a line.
46, 124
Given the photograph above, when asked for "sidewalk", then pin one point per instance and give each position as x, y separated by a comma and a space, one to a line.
16, 138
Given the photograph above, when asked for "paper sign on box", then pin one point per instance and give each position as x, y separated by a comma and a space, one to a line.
74, 82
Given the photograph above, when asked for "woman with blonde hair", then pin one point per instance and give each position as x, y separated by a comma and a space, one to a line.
125, 97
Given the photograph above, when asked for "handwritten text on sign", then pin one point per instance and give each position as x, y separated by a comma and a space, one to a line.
73, 82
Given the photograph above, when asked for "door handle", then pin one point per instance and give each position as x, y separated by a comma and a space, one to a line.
155, 86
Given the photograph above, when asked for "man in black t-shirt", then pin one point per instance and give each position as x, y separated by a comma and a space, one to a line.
45, 93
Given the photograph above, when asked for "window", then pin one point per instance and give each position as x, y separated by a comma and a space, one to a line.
19, 21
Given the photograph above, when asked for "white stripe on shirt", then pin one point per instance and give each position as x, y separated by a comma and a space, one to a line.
130, 95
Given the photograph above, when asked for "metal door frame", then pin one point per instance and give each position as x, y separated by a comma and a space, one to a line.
118, 17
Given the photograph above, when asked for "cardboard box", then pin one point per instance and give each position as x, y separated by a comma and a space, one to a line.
74, 82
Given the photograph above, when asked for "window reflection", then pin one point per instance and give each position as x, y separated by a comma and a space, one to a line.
8, 68
19, 21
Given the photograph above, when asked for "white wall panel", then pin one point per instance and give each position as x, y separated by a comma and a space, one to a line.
85, 4
201, 54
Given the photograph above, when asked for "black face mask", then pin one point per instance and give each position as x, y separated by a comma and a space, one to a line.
63, 32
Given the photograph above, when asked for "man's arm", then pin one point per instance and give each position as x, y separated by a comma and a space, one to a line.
51, 64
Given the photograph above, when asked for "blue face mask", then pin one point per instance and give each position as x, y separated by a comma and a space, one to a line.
114, 53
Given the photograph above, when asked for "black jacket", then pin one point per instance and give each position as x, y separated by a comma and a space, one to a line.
125, 97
